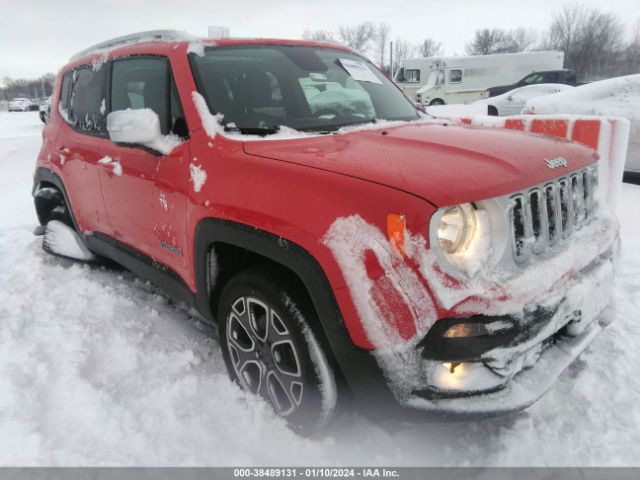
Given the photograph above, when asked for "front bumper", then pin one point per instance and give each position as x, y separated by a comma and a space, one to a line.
511, 376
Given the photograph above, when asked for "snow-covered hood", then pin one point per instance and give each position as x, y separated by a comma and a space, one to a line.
442, 164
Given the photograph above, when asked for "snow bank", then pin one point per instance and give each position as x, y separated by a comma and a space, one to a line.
140, 127
453, 112
615, 97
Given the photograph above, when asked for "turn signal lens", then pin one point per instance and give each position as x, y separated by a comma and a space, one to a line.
396, 226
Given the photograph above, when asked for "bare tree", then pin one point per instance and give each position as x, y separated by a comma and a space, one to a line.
523, 39
34, 88
357, 37
564, 28
485, 41
632, 52
430, 48
381, 41
319, 35
592, 41
495, 40
401, 51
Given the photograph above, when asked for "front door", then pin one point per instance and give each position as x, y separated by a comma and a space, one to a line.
140, 184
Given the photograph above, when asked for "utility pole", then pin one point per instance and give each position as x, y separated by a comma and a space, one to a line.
391, 59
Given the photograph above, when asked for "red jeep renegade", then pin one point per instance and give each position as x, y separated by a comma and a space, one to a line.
344, 245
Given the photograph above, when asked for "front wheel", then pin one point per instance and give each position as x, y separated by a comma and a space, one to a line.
437, 101
270, 349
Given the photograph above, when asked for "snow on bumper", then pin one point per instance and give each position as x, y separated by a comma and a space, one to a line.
514, 376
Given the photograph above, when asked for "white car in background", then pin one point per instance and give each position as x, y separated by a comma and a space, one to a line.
512, 102
22, 105
618, 97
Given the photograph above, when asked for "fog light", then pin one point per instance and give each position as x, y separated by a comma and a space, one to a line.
476, 329
452, 366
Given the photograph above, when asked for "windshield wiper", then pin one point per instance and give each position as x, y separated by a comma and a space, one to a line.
336, 126
262, 131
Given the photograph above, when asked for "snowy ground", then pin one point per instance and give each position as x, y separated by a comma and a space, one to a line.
98, 368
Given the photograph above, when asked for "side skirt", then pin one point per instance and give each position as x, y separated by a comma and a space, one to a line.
142, 265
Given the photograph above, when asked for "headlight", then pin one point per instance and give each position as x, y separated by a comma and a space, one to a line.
461, 237
458, 225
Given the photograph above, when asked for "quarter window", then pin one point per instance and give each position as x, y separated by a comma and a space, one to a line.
64, 96
455, 76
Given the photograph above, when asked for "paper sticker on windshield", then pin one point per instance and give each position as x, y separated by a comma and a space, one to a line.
359, 71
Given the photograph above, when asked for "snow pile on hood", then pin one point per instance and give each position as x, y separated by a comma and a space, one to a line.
140, 127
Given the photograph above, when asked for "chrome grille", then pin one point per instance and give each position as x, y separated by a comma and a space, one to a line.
545, 214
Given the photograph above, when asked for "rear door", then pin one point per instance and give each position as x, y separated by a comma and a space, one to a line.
141, 186
80, 143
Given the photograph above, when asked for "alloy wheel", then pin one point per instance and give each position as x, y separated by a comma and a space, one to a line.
263, 354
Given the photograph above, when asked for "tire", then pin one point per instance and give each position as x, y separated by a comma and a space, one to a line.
437, 101
279, 359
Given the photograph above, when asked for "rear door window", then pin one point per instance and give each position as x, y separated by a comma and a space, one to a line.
87, 103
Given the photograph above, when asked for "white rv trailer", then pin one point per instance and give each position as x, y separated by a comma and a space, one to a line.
441, 80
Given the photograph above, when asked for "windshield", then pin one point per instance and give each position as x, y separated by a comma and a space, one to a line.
258, 89
532, 79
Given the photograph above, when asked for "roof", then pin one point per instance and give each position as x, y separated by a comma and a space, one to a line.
176, 36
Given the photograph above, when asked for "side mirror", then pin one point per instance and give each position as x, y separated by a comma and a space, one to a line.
510, 98
141, 127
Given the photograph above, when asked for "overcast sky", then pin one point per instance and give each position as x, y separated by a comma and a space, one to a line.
38, 36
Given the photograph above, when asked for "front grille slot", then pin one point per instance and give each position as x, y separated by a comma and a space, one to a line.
543, 215
551, 201
566, 207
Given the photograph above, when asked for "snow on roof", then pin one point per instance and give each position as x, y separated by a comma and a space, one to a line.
197, 43
140, 37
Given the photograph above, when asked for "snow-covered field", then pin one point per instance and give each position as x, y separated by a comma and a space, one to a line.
98, 368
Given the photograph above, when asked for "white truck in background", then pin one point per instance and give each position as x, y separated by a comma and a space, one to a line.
444, 80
